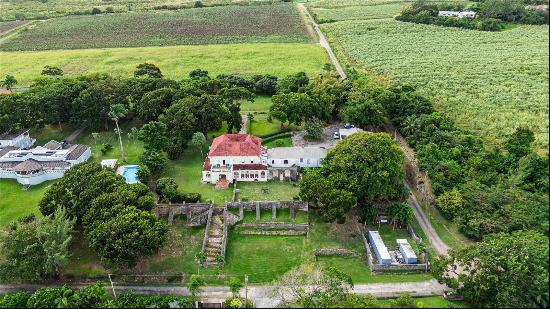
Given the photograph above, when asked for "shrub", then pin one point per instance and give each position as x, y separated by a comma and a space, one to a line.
96, 11
106, 148
15, 300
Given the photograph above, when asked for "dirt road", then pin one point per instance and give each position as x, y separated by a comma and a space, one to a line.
324, 43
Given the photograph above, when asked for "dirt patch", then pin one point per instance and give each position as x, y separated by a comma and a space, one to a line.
298, 137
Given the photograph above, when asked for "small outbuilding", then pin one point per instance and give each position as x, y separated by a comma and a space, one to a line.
409, 257
109, 163
379, 248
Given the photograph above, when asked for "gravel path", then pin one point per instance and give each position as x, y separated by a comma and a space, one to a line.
324, 43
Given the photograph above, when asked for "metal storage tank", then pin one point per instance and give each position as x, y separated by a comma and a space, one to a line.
406, 251
379, 248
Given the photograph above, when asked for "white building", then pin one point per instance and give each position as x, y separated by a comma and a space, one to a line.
235, 156
17, 139
34, 166
464, 14
303, 157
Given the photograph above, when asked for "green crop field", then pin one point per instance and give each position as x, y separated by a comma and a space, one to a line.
175, 61
489, 82
212, 25
354, 12
9, 25
32, 9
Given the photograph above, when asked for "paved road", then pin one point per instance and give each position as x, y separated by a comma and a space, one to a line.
323, 41
439, 246
264, 296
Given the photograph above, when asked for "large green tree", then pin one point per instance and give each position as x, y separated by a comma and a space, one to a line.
154, 135
153, 103
36, 248
370, 166
181, 124
502, 271
126, 236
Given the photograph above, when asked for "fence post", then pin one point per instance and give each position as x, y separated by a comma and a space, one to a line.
274, 211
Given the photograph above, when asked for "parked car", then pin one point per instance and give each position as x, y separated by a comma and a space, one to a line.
336, 135
349, 126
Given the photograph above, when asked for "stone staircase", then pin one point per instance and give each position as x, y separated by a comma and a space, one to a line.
215, 241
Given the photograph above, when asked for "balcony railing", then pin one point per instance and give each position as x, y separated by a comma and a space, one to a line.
221, 168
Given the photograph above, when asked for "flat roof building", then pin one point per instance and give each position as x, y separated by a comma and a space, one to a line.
379, 248
406, 251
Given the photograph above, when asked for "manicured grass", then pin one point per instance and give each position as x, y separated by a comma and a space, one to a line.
283, 215
187, 171
429, 302
261, 104
276, 190
16, 202
489, 82
133, 148
176, 62
279, 23
263, 258
285, 141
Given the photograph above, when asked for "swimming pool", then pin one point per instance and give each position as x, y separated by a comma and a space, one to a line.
130, 173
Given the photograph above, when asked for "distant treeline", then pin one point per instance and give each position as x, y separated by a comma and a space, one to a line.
492, 15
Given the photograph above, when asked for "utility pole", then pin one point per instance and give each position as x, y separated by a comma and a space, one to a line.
246, 291
112, 286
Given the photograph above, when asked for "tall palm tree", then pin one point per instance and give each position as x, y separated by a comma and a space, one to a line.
118, 111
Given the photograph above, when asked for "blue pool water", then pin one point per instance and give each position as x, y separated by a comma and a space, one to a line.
130, 173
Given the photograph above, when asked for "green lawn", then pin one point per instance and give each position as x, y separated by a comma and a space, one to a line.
261, 104
187, 171
16, 202
263, 258
277, 190
283, 215
133, 148
429, 302
176, 62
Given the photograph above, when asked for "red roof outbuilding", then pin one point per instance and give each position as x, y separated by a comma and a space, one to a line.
236, 145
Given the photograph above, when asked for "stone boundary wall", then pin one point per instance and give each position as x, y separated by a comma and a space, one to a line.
274, 233
375, 267
258, 206
195, 212
208, 223
225, 228
276, 225
334, 252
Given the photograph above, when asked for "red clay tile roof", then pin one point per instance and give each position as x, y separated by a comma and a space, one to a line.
250, 166
4, 91
236, 145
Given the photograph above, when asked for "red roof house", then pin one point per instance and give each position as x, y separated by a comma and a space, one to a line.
235, 145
